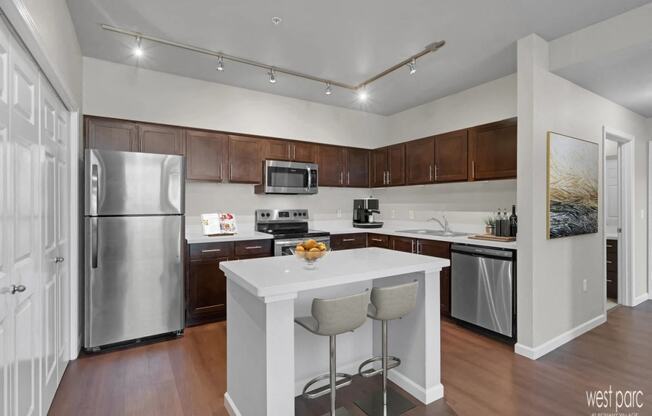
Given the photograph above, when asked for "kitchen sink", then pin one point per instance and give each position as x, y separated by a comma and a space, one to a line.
439, 233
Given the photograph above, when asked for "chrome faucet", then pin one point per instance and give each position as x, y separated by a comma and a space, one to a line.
444, 225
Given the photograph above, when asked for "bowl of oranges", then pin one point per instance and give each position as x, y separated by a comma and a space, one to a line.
310, 251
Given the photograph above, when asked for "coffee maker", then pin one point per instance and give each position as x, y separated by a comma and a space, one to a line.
363, 213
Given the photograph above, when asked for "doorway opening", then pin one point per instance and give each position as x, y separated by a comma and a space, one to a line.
618, 202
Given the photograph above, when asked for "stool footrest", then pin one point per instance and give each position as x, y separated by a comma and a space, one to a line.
344, 380
392, 362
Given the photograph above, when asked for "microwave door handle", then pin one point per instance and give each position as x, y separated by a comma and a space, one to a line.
309, 177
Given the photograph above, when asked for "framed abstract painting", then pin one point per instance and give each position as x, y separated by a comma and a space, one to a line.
573, 181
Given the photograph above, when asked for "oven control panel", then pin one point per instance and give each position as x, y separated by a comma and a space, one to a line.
272, 215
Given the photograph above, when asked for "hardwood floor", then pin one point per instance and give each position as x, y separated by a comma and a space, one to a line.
481, 376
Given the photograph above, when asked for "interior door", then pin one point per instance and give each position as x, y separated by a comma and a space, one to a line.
6, 237
25, 217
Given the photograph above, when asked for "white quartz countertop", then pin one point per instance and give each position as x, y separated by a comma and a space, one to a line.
194, 234
286, 275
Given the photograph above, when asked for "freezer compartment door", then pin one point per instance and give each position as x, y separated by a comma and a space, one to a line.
130, 183
133, 278
481, 291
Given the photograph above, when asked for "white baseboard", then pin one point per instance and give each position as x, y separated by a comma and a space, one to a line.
424, 396
231, 408
538, 352
640, 299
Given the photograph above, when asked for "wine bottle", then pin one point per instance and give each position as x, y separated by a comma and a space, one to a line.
513, 222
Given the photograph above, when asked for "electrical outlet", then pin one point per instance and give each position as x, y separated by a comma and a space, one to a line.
339, 213
585, 286
411, 214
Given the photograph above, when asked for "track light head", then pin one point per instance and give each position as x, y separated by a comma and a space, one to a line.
412, 65
138, 50
329, 90
220, 64
272, 76
362, 95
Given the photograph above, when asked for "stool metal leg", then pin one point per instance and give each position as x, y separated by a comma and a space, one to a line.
385, 402
332, 371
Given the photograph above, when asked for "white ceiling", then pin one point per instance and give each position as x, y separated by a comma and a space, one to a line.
345, 40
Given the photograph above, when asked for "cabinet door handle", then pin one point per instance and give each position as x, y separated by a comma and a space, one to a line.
418, 246
389, 178
341, 178
348, 178
212, 250
253, 247
436, 172
473, 169
230, 171
377, 240
609, 262
348, 240
609, 281
429, 172
413, 246
609, 246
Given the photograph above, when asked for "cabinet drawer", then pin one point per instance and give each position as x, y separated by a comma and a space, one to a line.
612, 264
378, 240
348, 241
258, 248
211, 250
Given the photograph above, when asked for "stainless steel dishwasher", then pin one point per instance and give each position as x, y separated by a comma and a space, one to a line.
482, 288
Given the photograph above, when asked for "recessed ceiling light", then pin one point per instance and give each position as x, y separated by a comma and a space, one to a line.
362, 95
272, 76
276, 20
220, 64
329, 90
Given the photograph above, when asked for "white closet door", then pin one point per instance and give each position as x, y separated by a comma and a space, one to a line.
49, 241
6, 239
25, 219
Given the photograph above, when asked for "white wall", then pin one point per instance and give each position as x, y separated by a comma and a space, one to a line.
123, 91
550, 272
493, 101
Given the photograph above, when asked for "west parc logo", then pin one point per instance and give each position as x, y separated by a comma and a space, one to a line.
615, 402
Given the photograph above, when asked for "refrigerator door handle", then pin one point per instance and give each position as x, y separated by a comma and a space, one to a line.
94, 241
95, 191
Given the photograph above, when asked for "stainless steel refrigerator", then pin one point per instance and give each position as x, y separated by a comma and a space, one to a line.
134, 230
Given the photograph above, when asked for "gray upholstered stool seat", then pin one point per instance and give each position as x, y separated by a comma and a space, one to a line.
332, 317
387, 304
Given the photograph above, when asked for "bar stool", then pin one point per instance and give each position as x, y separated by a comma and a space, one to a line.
332, 317
387, 304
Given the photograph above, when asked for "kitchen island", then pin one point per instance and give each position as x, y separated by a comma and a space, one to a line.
269, 359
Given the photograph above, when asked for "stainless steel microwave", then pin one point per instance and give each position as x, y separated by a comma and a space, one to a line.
281, 177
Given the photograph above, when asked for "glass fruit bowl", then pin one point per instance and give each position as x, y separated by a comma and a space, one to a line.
310, 251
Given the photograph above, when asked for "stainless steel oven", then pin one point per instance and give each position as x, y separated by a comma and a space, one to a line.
283, 246
289, 228
281, 177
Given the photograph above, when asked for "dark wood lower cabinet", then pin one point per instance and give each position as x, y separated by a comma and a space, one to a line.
405, 244
348, 241
206, 283
440, 249
377, 240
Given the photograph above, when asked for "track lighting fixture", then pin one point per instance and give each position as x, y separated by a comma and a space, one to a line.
138, 50
358, 88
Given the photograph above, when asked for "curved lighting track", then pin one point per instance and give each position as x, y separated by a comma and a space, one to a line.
433, 47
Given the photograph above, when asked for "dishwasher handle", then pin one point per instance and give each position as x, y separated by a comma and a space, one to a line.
482, 251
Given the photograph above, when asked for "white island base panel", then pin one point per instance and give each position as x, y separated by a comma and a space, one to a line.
269, 358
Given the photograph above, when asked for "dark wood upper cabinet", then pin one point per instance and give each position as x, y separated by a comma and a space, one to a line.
331, 163
245, 159
357, 167
379, 167
277, 149
160, 139
451, 156
304, 152
492, 150
388, 166
420, 161
206, 155
110, 134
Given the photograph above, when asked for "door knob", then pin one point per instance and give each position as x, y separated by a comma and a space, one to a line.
17, 289
59, 259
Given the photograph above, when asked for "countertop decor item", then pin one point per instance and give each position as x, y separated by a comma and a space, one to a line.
572, 203
311, 251
491, 237
222, 223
